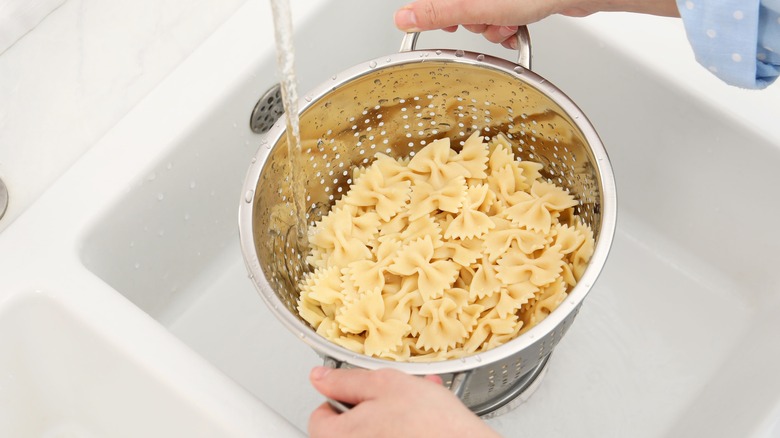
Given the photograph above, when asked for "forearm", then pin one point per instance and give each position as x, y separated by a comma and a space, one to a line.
580, 8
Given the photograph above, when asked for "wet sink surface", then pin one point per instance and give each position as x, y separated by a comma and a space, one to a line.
661, 343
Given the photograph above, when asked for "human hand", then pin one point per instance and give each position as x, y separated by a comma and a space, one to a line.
498, 20
389, 403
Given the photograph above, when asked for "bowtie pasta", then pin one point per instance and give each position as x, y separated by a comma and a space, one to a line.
442, 255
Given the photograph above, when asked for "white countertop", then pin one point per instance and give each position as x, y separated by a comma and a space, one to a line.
74, 76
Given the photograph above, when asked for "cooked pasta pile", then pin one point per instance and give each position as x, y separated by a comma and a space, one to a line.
442, 255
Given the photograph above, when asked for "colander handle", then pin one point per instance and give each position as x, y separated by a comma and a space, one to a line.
458, 385
409, 43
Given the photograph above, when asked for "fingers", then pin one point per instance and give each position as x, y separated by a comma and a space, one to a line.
437, 14
322, 419
352, 386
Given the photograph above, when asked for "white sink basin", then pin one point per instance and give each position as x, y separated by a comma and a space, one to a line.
61, 379
140, 237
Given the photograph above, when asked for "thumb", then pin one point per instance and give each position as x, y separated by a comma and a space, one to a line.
353, 385
438, 14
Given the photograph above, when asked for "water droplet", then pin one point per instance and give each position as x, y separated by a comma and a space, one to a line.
249, 195
152, 176
192, 184
307, 98
459, 53
186, 216
169, 166
137, 265
235, 125
132, 244
388, 59
478, 358
372, 64
161, 233
160, 196
438, 52
253, 160
480, 57
333, 77
519, 70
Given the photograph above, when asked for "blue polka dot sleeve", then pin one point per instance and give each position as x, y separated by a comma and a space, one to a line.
737, 40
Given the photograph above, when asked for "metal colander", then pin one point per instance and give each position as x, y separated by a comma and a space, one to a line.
395, 105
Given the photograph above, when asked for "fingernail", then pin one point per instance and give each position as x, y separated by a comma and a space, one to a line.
318, 373
505, 31
406, 20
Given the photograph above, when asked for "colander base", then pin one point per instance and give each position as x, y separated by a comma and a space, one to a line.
516, 395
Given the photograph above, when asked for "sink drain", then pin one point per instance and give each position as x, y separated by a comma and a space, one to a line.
3, 198
267, 110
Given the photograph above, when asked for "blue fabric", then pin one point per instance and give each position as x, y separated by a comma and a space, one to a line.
737, 40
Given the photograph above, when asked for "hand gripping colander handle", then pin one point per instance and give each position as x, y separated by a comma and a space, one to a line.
409, 43
457, 386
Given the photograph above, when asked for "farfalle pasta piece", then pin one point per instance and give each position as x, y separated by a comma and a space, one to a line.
512, 297
581, 256
333, 235
427, 198
549, 298
321, 294
533, 210
497, 339
365, 226
388, 197
366, 315
501, 154
473, 157
490, 323
391, 169
530, 171
434, 162
516, 267
443, 329
470, 222
502, 183
310, 310
485, 281
370, 274
325, 286
433, 277
568, 238
464, 252
504, 235
400, 296
394, 227
355, 343
418, 228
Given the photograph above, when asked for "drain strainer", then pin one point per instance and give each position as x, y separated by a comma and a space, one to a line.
267, 110
3, 198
